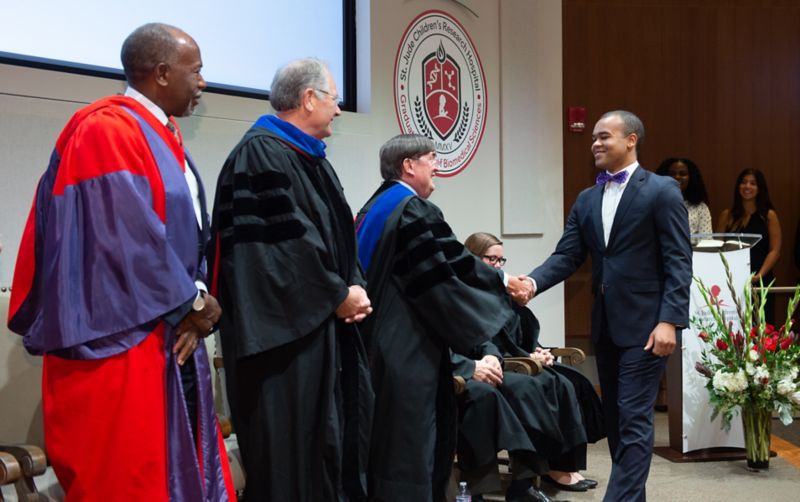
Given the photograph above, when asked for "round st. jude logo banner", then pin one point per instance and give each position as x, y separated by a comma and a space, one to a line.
440, 89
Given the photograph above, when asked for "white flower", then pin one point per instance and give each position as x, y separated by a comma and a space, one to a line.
739, 381
795, 398
731, 382
761, 375
749, 368
793, 373
720, 381
752, 355
785, 387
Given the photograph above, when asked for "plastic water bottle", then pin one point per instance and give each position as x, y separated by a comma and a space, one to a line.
463, 493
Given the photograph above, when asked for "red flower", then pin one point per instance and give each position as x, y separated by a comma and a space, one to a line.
786, 342
721, 345
703, 336
738, 340
753, 332
769, 329
771, 344
715, 299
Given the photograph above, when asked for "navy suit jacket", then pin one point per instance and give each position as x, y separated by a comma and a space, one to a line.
644, 274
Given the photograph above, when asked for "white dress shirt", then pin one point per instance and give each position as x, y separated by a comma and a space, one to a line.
191, 180
612, 193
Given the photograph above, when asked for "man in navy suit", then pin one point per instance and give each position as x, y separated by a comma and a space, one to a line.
634, 226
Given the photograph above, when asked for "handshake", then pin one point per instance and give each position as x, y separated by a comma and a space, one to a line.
521, 289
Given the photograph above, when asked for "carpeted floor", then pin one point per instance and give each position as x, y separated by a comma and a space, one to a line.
705, 481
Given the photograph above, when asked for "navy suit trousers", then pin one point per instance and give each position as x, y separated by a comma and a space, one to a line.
629, 379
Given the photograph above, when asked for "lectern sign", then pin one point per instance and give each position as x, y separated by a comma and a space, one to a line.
440, 88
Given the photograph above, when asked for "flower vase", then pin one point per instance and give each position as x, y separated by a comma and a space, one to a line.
757, 424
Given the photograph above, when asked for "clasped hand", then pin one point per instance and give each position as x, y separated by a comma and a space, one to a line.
355, 307
488, 370
543, 356
194, 327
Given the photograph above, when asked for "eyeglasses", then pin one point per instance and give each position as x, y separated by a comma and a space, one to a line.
432, 158
499, 260
335, 97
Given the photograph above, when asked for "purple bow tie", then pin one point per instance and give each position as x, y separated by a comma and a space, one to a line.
604, 177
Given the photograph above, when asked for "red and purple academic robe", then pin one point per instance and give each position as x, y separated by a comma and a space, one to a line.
111, 246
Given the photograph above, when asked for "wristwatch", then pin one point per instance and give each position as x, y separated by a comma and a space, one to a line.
199, 301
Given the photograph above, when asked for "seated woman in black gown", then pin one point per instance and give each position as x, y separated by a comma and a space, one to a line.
752, 213
524, 341
546, 406
510, 411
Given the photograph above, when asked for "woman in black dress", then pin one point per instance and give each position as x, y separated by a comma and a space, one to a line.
752, 213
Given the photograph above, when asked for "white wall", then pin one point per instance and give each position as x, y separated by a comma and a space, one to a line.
513, 186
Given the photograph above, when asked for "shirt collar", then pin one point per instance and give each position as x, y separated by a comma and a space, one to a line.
407, 186
153, 108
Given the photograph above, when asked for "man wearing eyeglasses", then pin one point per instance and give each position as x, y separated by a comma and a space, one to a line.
432, 295
292, 293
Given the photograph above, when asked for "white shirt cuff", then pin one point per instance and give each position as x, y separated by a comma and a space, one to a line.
533, 283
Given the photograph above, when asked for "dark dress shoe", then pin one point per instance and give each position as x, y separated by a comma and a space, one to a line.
531, 495
590, 483
578, 486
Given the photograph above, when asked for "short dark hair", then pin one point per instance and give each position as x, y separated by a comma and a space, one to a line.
146, 47
695, 192
399, 148
633, 125
295, 77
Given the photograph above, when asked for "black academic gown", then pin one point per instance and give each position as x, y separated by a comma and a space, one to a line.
545, 405
521, 338
429, 295
486, 422
297, 377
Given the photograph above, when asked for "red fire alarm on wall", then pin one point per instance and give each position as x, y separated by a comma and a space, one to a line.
576, 118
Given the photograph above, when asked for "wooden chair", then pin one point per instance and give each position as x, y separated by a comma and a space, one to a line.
30, 462
226, 428
569, 355
527, 366
225, 424
10, 471
523, 365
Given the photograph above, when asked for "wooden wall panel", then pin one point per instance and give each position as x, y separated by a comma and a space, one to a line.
717, 81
